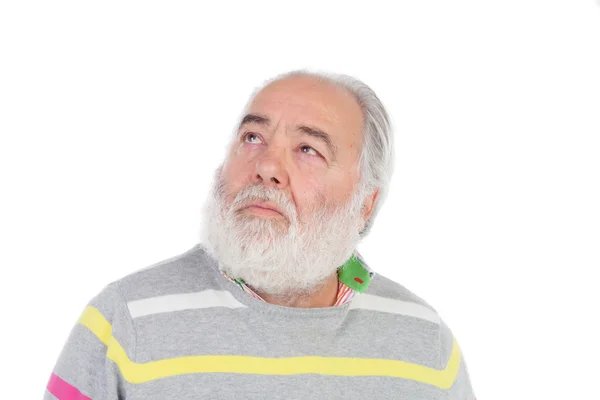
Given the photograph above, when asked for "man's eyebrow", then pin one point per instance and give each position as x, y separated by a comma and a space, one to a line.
257, 119
319, 134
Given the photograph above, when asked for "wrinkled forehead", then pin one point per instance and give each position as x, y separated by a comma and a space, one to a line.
307, 100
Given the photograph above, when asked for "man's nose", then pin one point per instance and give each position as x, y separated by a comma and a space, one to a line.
270, 169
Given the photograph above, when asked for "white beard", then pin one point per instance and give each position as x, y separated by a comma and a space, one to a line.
288, 259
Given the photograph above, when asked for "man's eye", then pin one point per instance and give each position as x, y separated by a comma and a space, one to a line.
251, 138
308, 150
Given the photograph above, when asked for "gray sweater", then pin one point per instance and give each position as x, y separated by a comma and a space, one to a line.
180, 330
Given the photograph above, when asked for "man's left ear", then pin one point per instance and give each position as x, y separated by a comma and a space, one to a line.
369, 205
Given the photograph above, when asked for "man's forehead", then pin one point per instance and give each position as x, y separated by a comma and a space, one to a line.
293, 110
307, 98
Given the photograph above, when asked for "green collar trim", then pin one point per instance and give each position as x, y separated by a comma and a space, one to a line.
354, 275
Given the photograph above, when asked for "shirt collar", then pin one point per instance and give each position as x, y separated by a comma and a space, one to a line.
354, 273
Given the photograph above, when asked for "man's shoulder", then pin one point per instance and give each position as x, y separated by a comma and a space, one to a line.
384, 287
191, 271
392, 298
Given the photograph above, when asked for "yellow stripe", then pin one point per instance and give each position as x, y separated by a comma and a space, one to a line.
338, 366
93, 319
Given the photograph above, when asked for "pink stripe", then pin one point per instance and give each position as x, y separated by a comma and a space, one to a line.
344, 293
350, 295
340, 293
346, 298
64, 391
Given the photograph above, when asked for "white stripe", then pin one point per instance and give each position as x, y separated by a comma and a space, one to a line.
184, 301
377, 303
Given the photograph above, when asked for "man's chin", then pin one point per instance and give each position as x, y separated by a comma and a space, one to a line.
257, 225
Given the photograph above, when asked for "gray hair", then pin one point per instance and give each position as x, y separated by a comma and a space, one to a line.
376, 161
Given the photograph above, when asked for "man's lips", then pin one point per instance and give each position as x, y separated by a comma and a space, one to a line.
263, 208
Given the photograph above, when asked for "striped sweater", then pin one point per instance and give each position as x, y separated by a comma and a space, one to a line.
180, 330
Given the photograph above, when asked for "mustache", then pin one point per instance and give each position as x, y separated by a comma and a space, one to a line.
259, 192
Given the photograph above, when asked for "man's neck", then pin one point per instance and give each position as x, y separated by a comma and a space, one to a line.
324, 296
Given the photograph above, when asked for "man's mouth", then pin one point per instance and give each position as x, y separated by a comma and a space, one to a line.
262, 208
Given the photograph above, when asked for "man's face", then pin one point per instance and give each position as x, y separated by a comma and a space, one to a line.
301, 137
285, 211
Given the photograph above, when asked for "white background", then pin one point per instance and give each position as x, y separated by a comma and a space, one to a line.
114, 115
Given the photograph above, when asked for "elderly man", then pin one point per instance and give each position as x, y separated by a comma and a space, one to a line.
275, 301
